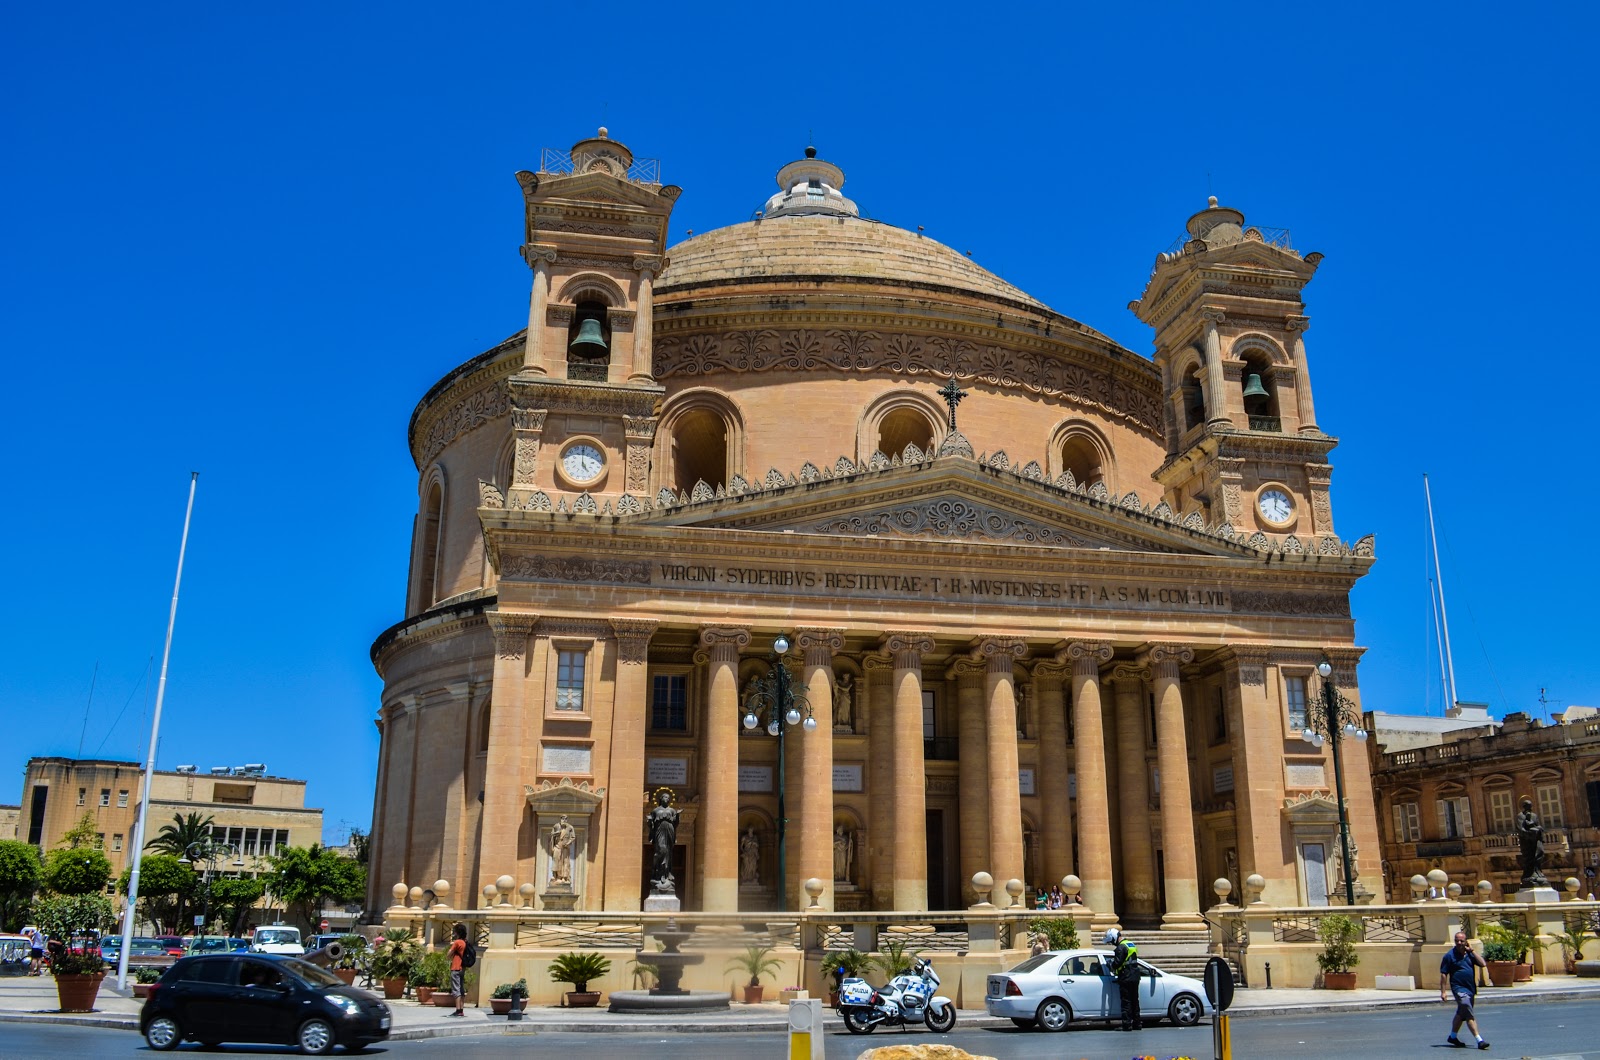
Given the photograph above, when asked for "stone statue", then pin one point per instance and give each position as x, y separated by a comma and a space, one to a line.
562, 838
662, 825
1531, 835
844, 853
844, 711
749, 857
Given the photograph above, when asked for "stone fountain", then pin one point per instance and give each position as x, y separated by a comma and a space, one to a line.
667, 995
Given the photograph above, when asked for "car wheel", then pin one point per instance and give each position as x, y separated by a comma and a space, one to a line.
1185, 1010
856, 1023
1026, 1025
163, 1033
940, 1024
316, 1037
1054, 1014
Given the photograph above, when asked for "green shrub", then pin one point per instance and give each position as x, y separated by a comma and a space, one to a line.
396, 956
512, 990
1498, 951
755, 962
578, 968
432, 970
895, 959
147, 975
1060, 932
852, 962
1339, 935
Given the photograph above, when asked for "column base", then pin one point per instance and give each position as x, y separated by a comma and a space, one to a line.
719, 896
910, 896
1183, 922
1538, 895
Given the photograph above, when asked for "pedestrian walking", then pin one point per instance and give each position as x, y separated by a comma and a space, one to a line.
1456, 980
35, 949
458, 952
1125, 967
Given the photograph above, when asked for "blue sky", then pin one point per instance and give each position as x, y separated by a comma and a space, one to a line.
246, 242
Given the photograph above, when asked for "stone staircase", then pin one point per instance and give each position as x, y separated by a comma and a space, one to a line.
1178, 952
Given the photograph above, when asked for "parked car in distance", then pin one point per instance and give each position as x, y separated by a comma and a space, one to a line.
278, 938
1052, 990
317, 942
144, 950
174, 945
260, 998
15, 954
217, 944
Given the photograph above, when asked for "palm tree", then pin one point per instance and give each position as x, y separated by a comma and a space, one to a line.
177, 837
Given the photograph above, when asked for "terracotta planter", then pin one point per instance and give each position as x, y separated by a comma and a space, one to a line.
752, 995
1524, 973
583, 998
394, 988
833, 999
443, 999
1338, 980
500, 1005
76, 993
142, 990
424, 995
348, 975
1502, 973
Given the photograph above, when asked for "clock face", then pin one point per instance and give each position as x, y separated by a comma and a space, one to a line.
1276, 506
582, 462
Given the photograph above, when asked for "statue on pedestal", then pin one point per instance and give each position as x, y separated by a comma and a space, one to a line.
661, 823
562, 838
1530, 835
844, 711
844, 849
749, 857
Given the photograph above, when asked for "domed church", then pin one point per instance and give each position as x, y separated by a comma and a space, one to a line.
877, 570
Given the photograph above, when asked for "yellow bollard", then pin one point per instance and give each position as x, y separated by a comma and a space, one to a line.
1221, 1038
805, 1029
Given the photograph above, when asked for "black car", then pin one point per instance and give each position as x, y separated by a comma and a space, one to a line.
263, 998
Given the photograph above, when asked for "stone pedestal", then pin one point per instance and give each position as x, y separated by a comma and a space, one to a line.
1538, 895
559, 899
661, 903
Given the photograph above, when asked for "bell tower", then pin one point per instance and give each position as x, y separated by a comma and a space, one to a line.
1243, 446
584, 402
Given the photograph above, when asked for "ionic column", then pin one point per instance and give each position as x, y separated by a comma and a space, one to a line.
1089, 745
539, 257
503, 797
643, 322
1216, 382
972, 763
879, 710
624, 821
1177, 805
816, 769
719, 770
1133, 793
1055, 798
1302, 376
1005, 794
911, 784
1253, 730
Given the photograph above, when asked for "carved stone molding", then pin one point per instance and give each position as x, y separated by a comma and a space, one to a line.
803, 349
877, 663
1250, 663
1000, 653
966, 668
949, 517
525, 460
1328, 605
642, 428
649, 263
633, 639
467, 414
1086, 656
1296, 323
575, 569
559, 316
535, 253
1050, 671
1167, 659
581, 398
637, 474
818, 645
528, 419
723, 643
489, 495
511, 632
586, 628
620, 319
907, 647
1124, 673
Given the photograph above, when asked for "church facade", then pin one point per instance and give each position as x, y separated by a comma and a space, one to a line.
1044, 605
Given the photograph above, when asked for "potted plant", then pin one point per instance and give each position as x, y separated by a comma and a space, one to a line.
896, 958
73, 923
431, 974
508, 995
840, 965
754, 962
1572, 943
354, 958
1339, 935
1060, 932
1517, 939
144, 979
393, 958
1501, 960
578, 968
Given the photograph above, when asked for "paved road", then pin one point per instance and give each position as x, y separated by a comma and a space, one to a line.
1560, 1029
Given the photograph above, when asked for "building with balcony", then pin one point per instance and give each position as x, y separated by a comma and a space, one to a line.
1449, 800
1075, 634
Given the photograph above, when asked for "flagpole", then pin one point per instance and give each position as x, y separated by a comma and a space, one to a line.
150, 760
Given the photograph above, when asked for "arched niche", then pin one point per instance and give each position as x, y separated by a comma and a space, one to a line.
1078, 446
700, 439
899, 418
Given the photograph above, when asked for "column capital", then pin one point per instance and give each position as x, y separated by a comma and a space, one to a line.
1297, 323
1085, 656
1246, 663
818, 645
528, 419
1052, 669
1127, 673
537, 254
1165, 659
633, 639
964, 666
877, 662
1001, 652
651, 263
1213, 315
907, 647
511, 632
722, 643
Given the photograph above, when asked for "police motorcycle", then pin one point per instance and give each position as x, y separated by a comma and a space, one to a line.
907, 999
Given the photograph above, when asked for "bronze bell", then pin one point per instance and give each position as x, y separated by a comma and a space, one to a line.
1253, 387
589, 342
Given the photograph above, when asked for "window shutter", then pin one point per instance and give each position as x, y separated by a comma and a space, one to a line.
1444, 818
1464, 812
1399, 823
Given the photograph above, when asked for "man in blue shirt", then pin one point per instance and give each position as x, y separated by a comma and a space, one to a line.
1457, 978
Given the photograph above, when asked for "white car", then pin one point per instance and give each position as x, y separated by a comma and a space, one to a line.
277, 939
1054, 989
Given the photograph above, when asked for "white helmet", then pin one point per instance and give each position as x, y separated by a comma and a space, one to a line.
1111, 936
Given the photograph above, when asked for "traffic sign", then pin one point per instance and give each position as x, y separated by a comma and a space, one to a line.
1219, 983
324, 925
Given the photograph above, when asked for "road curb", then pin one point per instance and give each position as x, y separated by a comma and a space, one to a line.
1488, 999
84, 1019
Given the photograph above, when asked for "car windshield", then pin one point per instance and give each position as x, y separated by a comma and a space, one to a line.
1034, 963
210, 945
314, 975
276, 936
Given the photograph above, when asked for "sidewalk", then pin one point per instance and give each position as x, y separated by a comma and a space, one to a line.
33, 1000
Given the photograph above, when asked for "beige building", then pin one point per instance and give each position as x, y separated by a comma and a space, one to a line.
1075, 634
1450, 801
10, 817
251, 812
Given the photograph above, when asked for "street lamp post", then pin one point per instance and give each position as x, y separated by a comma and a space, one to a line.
211, 853
1338, 719
776, 703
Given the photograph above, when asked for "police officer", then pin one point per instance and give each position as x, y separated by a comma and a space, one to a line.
1125, 966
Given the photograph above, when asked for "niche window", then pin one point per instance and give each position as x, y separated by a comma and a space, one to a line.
1079, 456
669, 698
1294, 690
429, 530
589, 343
699, 450
902, 427
569, 679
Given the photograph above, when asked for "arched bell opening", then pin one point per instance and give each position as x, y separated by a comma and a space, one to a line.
1194, 399
589, 343
1260, 393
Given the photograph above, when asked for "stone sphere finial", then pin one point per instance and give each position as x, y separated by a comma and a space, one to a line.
1254, 885
1438, 877
1571, 884
1223, 886
1211, 202
814, 888
1485, 888
1015, 888
604, 134
1071, 884
983, 883
441, 888
489, 892
525, 892
415, 894
399, 892
507, 887
1454, 891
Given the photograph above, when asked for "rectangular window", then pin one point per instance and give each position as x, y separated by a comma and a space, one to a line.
569, 680
1294, 690
105, 796
1455, 818
1550, 806
1593, 791
282, 839
669, 702
116, 841
1219, 719
41, 795
122, 797
929, 728
100, 839
1502, 817
83, 793
1407, 822
1150, 700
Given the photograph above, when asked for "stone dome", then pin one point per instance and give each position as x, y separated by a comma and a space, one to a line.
830, 249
